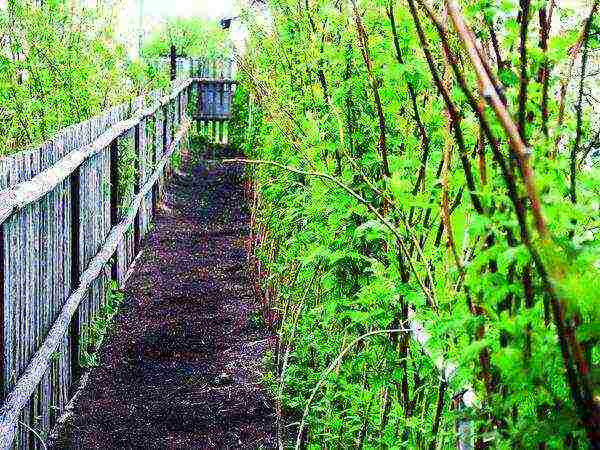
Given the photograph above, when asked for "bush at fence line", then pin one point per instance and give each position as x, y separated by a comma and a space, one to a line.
60, 66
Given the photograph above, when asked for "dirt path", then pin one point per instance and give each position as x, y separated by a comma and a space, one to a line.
181, 368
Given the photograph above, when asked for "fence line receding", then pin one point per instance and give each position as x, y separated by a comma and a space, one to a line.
72, 218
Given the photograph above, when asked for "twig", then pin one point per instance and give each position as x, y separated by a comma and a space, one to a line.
579, 108
364, 45
35, 433
544, 72
524, 78
567, 77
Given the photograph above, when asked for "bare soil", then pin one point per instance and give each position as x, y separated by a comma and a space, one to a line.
182, 366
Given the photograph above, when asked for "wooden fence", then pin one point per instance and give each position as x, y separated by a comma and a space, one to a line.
214, 95
217, 69
213, 107
71, 218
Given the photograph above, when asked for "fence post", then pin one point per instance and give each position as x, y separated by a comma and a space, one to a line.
173, 63
136, 186
199, 106
172, 116
221, 92
114, 198
2, 268
178, 110
165, 144
74, 327
154, 161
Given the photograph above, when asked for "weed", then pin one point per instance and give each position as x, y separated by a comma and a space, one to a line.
256, 320
93, 334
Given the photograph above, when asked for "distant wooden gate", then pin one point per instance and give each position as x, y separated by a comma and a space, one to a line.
213, 107
214, 99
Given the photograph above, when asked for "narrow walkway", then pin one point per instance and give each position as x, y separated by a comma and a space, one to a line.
182, 366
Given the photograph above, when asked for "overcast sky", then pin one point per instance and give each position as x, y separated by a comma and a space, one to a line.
205, 8
156, 12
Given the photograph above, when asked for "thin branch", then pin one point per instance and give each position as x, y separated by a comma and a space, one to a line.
331, 367
544, 73
564, 84
453, 113
524, 78
579, 108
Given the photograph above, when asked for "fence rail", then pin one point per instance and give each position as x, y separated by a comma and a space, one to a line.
71, 218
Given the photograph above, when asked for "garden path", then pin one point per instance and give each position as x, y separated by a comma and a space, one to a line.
181, 368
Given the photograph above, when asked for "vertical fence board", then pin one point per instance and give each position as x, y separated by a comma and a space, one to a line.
4, 293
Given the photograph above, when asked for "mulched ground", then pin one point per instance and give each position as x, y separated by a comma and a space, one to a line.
181, 368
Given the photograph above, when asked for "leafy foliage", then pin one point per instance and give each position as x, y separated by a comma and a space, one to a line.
60, 66
346, 248
93, 335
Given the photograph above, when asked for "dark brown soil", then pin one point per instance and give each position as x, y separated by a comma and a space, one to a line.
181, 368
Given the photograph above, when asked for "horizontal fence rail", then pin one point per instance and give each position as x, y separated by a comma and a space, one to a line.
71, 220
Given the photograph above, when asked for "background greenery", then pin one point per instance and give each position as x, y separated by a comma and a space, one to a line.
193, 37
61, 65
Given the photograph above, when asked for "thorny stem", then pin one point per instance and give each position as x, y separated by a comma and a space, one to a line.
579, 108
445, 205
524, 78
495, 44
544, 72
567, 78
477, 108
323, 81
452, 111
438, 412
453, 115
